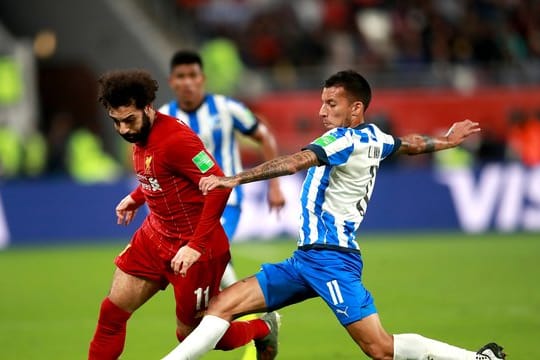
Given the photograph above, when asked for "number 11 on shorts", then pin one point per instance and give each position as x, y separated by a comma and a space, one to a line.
199, 293
335, 292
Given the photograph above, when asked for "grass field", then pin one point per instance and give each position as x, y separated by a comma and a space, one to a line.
466, 290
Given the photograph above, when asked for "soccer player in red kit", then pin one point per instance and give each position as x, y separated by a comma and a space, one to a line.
183, 228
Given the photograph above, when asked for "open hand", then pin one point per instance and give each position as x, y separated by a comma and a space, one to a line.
184, 258
212, 182
126, 210
461, 130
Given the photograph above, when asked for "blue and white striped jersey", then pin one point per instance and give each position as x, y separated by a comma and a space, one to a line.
215, 121
335, 195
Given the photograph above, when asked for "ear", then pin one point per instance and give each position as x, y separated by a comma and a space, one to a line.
357, 108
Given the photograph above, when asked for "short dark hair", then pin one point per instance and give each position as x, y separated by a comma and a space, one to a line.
354, 84
127, 87
183, 57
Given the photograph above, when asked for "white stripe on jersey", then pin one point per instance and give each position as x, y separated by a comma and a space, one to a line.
215, 121
335, 195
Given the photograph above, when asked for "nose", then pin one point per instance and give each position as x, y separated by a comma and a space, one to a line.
322, 112
123, 128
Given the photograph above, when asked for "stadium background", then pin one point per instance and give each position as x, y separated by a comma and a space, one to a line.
451, 242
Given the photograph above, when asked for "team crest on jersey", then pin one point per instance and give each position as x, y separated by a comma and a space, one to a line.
325, 140
203, 161
147, 163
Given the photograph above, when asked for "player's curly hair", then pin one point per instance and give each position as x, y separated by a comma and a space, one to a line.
354, 84
127, 87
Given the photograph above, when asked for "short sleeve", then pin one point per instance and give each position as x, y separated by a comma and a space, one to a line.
243, 119
389, 143
186, 155
333, 148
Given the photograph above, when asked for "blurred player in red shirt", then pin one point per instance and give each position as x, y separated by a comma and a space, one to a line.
183, 228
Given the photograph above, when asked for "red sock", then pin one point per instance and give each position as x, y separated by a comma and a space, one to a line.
242, 332
110, 335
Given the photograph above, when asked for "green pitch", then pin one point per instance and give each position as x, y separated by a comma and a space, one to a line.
465, 290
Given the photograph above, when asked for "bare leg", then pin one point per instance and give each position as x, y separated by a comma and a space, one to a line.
129, 292
370, 335
243, 297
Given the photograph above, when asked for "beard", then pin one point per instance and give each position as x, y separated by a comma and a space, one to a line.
142, 135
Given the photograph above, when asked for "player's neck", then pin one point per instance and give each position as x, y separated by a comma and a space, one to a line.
190, 106
356, 122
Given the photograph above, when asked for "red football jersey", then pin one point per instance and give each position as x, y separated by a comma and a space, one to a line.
169, 166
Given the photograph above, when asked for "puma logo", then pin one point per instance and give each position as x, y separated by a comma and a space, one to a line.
344, 312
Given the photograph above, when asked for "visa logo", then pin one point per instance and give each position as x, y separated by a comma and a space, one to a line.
503, 197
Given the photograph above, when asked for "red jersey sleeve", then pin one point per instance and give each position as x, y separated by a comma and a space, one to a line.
138, 195
187, 157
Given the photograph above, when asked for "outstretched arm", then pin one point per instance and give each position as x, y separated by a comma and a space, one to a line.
283, 165
418, 144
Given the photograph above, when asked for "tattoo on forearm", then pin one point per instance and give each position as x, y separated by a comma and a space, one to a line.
429, 144
304, 160
420, 144
283, 165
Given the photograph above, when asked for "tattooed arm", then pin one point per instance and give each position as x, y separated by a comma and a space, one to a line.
283, 165
418, 144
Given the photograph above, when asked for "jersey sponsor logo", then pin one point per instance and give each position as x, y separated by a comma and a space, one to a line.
149, 183
325, 140
202, 161
154, 184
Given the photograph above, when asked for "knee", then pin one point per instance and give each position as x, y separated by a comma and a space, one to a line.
218, 307
112, 314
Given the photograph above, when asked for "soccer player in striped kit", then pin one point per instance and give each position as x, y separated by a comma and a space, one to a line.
341, 172
216, 119
183, 227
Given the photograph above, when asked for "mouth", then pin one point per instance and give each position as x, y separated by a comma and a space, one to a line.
132, 138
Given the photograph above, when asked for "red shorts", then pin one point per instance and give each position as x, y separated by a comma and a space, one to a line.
149, 256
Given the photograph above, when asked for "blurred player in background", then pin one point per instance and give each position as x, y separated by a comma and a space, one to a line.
182, 229
217, 119
342, 167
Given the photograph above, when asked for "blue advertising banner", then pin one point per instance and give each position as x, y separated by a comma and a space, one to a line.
497, 197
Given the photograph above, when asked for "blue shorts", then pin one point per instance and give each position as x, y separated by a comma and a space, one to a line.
229, 220
332, 275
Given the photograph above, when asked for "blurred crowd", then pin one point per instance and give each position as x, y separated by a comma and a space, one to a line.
290, 44
289, 37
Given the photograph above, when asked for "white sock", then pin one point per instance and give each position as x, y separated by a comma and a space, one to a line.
416, 347
203, 339
229, 277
